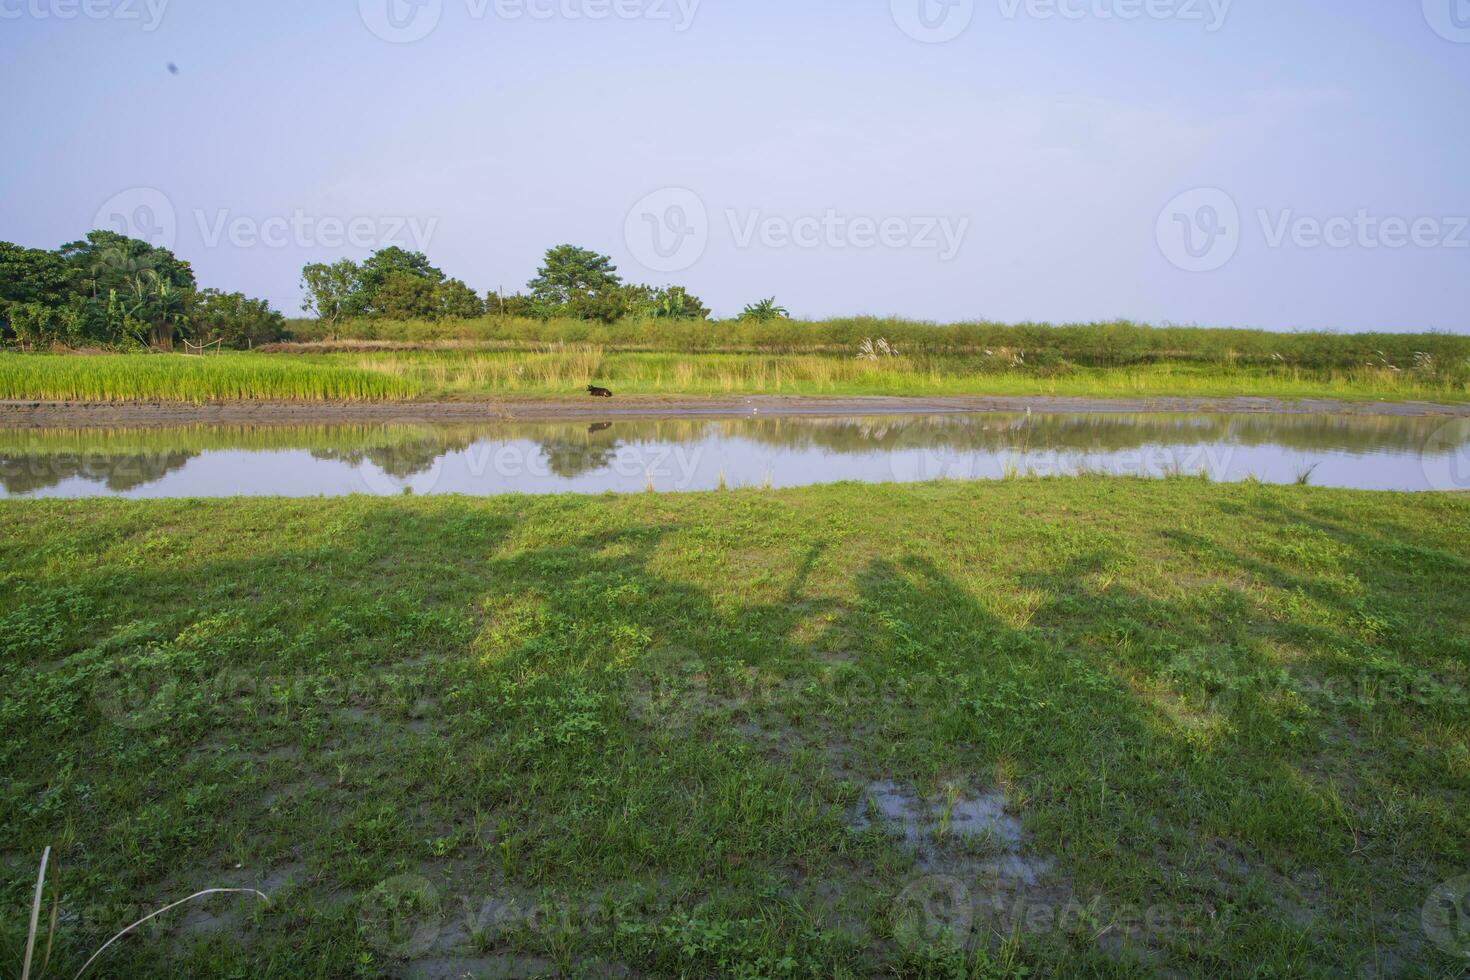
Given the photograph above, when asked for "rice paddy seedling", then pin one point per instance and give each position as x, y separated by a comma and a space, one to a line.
179, 378
565, 369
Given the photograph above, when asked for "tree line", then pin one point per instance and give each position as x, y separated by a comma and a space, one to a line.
574, 283
112, 290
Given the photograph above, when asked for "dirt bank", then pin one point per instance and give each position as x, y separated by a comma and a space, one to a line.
28, 414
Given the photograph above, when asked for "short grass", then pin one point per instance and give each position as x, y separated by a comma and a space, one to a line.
564, 371
568, 735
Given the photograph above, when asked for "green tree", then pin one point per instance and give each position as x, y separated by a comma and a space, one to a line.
763, 311
33, 288
677, 303
235, 320
571, 275
333, 292
404, 296
30, 275
454, 300
37, 324
516, 304
386, 263
106, 260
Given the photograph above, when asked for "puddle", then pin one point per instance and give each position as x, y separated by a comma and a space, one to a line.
942, 832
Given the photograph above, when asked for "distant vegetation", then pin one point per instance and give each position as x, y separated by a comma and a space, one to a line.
395, 326
114, 291
1030, 346
396, 285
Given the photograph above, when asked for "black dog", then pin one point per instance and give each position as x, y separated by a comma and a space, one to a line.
597, 392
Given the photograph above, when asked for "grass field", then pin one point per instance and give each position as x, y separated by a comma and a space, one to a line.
566, 370
1096, 726
1108, 344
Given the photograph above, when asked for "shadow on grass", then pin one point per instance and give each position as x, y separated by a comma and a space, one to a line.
589, 714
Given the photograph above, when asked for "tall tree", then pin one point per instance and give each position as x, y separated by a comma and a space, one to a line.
235, 319
30, 275
403, 296
106, 260
454, 300
394, 261
571, 274
333, 292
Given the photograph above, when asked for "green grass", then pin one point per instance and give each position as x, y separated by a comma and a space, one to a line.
1112, 344
180, 378
565, 371
566, 733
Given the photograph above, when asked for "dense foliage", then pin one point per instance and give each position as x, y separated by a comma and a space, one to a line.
111, 290
397, 285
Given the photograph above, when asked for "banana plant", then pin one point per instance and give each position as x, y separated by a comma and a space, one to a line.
765, 310
161, 305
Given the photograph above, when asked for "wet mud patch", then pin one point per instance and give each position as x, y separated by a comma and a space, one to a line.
976, 883
962, 830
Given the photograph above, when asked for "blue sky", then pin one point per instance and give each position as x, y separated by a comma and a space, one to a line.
1222, 162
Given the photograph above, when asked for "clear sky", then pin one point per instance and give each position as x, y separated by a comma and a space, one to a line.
1222, 162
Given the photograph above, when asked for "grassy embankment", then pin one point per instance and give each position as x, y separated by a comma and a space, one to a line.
566, 733
528, 358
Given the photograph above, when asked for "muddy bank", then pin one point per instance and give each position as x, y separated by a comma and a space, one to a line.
28, 414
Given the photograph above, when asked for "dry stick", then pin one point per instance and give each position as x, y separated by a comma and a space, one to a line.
207, 891
25, 970
55, 908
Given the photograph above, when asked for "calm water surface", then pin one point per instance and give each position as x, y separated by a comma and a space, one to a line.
675, 455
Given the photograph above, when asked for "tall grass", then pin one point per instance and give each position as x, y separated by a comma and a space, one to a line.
177, 378
567, 370
1111, 344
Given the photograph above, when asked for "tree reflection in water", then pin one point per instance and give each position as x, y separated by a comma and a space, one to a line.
121, 459
26, 474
